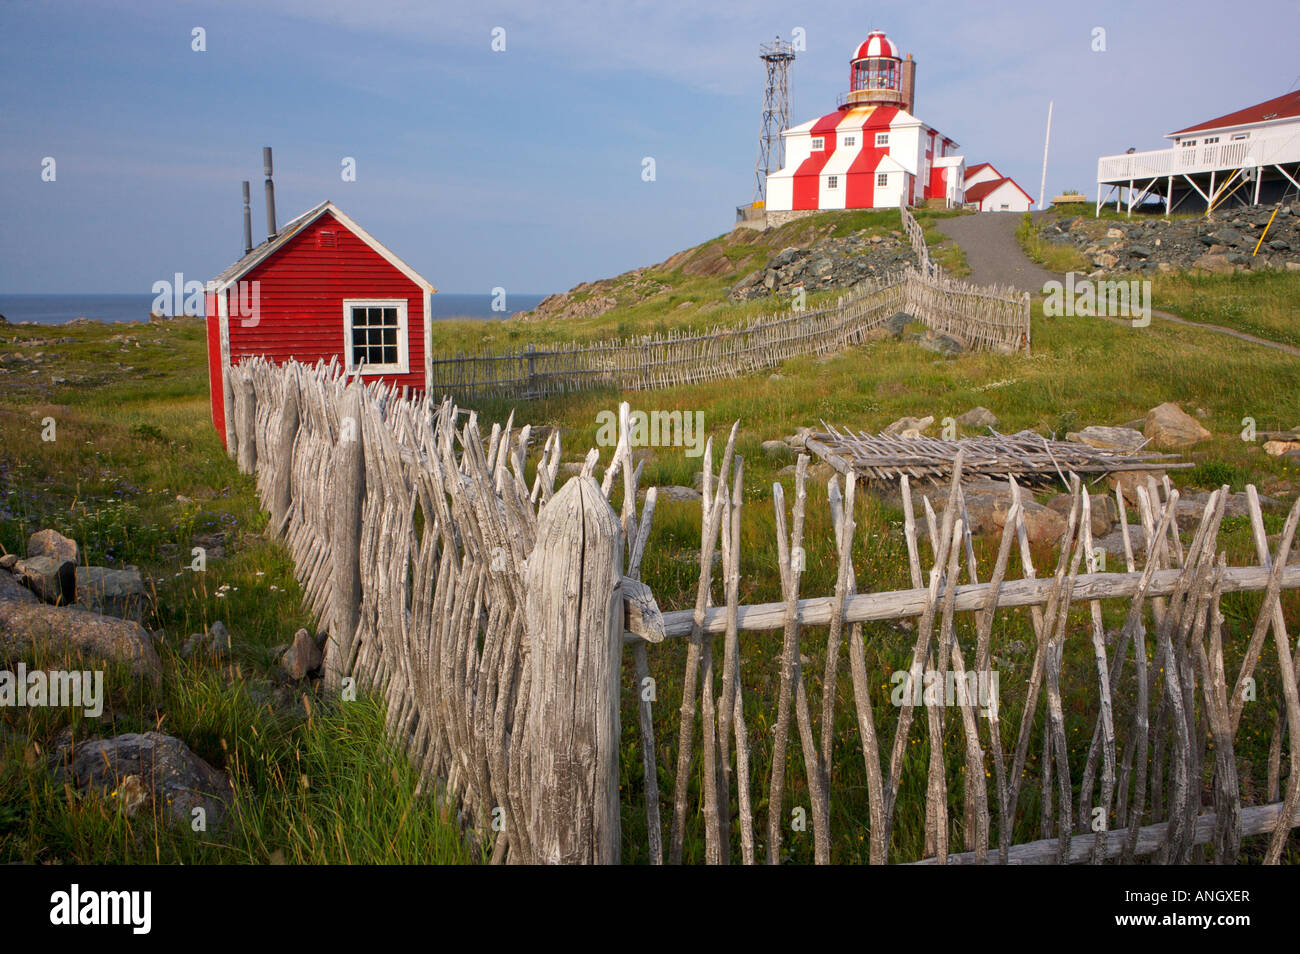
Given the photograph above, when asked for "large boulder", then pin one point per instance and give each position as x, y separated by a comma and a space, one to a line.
118, 593
1108, 438
1170, 427
25, 627
51, 543
52, 579
150, 769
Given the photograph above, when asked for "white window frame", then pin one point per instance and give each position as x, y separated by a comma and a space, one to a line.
818, 143
882, 139
1187, 142
1210, 140
882, 179
1238, 137
403, 365
832, 182
850, 141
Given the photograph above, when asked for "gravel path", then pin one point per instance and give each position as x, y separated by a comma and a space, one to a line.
996, 258
992, 251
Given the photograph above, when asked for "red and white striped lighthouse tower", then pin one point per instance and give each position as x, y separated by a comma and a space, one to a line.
871, 152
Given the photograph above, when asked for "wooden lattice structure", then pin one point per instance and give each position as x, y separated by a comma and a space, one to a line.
883, 458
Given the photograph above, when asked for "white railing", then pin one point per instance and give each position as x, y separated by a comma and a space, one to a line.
1261, 149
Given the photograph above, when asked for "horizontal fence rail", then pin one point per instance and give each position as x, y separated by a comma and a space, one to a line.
492, 610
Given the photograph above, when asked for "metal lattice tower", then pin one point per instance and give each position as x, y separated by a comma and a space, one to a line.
777, 57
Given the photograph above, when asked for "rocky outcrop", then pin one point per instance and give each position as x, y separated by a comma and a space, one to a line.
833, 262
1224, 242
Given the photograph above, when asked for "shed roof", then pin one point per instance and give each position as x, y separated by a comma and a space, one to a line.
980, 190
292, 228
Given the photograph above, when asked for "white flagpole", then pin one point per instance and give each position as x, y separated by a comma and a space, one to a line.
1042, 185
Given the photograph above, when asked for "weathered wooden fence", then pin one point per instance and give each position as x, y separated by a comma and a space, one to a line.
492, 612
982, 318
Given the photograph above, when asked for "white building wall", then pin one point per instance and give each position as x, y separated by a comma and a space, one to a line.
1005, 195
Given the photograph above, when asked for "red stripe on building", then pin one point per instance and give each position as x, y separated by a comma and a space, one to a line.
807, 178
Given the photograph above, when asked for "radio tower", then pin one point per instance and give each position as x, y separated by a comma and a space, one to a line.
777, 57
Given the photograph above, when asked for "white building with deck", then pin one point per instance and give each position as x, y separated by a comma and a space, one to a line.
1246, 157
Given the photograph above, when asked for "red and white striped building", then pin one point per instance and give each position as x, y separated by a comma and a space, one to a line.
871, 152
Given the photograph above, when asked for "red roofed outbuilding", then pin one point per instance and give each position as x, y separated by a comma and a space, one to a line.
320, 288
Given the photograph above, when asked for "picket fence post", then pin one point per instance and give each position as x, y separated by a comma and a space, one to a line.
574, 618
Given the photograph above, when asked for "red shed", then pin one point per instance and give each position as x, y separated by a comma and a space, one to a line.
322, 287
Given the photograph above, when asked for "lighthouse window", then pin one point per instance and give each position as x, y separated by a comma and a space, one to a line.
882, 139
1240, 136
376, 335
1187, 142
850, 141
882, 178
818, 143
832, 182
1210, 140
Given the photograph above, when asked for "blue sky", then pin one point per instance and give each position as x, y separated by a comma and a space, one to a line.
522, 168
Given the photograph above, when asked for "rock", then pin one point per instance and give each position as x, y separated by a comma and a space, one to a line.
118, 593
1108, 438
8, 560
1211, 262
24, 626
215, 642
51, 543
978, 417
1113, 542
1102, 508
151, 769
51, 579
778, 450
676, 492
796, 440
1170, 427
13, 591
1192, 507
1140, 251
1105, 260
302, 658
908, 427
1130, 480
1278, 448
989, 501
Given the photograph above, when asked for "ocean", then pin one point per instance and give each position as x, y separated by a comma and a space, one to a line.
56, 309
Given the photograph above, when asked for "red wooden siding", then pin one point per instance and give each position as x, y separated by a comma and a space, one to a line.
302, 288
214, 366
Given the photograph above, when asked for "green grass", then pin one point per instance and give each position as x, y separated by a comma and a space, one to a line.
1052, 256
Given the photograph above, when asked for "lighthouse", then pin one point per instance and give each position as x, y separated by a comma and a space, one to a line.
871, 152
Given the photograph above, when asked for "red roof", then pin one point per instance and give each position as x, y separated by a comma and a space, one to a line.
1286, 106
974, 169
979, 190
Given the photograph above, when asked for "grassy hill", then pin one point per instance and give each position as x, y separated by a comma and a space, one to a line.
137, 474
